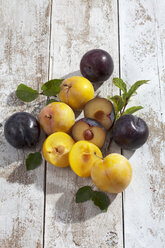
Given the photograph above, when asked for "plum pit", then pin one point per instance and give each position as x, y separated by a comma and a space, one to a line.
101, 110
99, 115
88, 134
60, 149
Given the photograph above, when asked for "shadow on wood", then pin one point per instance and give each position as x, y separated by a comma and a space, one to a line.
106, 150
78, 73
67, 183
12, 100
20, 174
68, 211
128, 154
33, 107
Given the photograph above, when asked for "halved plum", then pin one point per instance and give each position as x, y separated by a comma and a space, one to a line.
101, 110
90, 130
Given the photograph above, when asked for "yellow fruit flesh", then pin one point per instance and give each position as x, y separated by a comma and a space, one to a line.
82, 157
56, 149
113, 174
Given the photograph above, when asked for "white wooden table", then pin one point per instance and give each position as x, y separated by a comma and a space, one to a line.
45, 39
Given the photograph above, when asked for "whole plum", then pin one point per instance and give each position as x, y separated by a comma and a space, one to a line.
22, 130
130, 132
96, 65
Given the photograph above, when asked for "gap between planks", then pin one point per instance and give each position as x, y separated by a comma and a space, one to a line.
45, 163
118, 20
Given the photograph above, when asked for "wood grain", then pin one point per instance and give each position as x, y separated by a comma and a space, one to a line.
78, 26
142, 43
46, 39
24, 38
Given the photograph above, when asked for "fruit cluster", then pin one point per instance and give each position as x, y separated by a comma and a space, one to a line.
78, 143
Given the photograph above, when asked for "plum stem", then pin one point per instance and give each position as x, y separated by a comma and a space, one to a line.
126, 102
122, 112
48, 116
98, 156
67, 86
67, 92
110, 142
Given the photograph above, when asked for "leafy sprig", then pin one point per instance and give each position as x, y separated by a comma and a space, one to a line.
50, 88
99, 198
121, 101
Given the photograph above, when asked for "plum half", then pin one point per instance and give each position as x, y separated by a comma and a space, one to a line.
22, 130
130, 132
96, 65
101, 110
89, 130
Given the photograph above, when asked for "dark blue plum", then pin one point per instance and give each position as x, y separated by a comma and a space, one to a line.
130, 132
96, 65
22, 130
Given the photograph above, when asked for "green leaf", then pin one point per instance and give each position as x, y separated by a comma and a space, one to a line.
25, 93
132, 110
118, 102
101, 200
84, 194
50, 101
33, 160
52, 87
123, 96
134, 87
120, 84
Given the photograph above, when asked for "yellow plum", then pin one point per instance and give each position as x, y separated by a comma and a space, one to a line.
82, 157
112, 174
56, 149
56, 116
76, 92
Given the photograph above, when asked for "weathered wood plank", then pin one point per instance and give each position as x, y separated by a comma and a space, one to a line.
142, 42
24, 38
78, 26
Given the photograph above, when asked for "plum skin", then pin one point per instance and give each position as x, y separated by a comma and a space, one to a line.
92, 122
130, 132
96, 65
22, 130
56, 116
76, 91
112, 174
